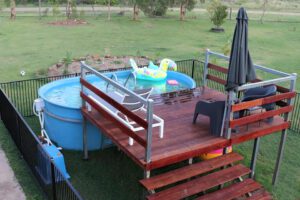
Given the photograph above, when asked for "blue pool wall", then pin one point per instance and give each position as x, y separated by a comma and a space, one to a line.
64, 123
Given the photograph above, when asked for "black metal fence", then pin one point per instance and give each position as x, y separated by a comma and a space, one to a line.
48, 175
295, 125
16, 100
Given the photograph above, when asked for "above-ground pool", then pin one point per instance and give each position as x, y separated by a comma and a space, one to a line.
63, 119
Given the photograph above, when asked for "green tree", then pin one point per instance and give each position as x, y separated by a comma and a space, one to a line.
184, 5
217, 13
55, 9
153, 8
108, 3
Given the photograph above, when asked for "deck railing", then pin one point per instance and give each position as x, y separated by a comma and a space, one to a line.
284, 99
147, 125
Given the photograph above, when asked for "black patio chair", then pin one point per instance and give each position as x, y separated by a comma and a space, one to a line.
257, 93
215, 111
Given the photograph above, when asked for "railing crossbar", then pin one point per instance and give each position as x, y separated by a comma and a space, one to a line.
266, 69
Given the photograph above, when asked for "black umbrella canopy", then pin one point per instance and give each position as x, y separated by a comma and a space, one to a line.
240, 70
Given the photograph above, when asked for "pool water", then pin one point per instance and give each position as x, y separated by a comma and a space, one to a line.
68, 94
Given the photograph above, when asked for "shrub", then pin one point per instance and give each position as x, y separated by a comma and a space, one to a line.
67, 61
153, 8
217, 13
81, 14
55, 10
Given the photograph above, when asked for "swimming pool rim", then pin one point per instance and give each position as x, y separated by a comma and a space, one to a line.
42, 91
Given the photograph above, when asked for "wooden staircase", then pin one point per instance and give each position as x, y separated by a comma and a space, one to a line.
202, 181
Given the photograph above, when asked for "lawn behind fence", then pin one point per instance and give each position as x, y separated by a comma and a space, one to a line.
32, 45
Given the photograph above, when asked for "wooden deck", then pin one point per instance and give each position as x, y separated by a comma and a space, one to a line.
182, 139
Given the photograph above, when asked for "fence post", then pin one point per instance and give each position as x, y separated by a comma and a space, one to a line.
193, 68
205, 71
53, 181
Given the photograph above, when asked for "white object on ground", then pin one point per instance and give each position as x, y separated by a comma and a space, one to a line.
23, 73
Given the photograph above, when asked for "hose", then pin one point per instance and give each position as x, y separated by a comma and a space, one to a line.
40, 114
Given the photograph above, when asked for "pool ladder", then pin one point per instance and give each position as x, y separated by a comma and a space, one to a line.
114, 77
134, 76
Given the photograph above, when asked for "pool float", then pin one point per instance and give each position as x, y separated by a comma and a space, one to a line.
214, 154
153, 72
172, 82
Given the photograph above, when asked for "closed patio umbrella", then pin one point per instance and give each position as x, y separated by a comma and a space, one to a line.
240, 70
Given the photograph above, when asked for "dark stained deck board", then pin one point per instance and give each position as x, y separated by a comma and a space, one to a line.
201, 184
182, 139
233, 191
189, 171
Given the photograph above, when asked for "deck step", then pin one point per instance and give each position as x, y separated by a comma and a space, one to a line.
261, 194
201, 184
233, 191
189, 171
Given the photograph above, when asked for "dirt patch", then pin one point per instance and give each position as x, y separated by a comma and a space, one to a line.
69, 22
97, 62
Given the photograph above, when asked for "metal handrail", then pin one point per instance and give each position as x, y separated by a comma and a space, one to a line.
148, 102
267, 82
266, 69
115, 84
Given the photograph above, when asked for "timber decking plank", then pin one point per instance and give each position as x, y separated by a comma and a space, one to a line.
262, 101
259, 132
189, 171
233, 191
259, 116
261, 194
201, 183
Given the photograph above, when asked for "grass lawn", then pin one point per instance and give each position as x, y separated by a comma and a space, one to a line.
31, 45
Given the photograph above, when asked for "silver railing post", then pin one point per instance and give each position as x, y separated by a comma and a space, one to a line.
149, 130
205, 71
229, 114
82, 75
84, 131
287, 117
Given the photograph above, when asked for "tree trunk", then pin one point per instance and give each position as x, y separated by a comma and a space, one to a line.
135, 12
182, 14
93, 9
108, 17
13, 12
68, 9
264, 7
40, 5
183, 6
